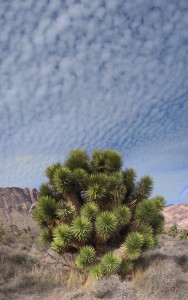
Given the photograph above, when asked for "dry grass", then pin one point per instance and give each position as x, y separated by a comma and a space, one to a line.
26, 268
112, 287
161, 280
28, 272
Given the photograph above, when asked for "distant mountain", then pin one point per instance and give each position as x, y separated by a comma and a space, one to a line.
16, 205
176, 214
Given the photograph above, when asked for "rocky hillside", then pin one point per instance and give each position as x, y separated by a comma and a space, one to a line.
176, 214
16, 205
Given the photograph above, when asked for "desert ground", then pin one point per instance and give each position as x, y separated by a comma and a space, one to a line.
30, 271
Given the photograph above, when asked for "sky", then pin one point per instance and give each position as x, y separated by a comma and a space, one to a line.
95, 74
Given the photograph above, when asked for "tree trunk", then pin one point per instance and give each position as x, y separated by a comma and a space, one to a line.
73, 198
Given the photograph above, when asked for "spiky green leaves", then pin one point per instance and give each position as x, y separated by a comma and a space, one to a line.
159, 203
66, 213
51, 170
133, 245
158, 224
96, 271
107, 161
90, 211
86, 257
125, 267
146, 211
46, 211
45, 190
62, 180
106, 188
45, 237
83, 204
110, 263
97, 187
148, 235
122, 214
78, 159
95, 192
116, 188
129, 178
62, 237
79, 179
105, 225
144, 188
81, 229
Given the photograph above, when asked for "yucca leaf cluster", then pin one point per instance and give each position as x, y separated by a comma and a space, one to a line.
93, 207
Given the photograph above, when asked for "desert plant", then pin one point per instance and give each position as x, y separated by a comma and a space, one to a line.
91, 207
27, 230
173, 230
183, 234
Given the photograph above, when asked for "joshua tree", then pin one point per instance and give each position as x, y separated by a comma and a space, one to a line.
93, 208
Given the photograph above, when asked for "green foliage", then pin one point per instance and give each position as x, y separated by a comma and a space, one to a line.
45, 190
110, 263
86, 257
96, 271
81, 228
66, 213
125, 267
46, 211
106, 161
63, 180
79, 179
183, 235
129, 178
116, 188
133, 245
105, 224
158, 224
96, 192
90, 211
78, 159
45, 237
62, 236
159, 203
143, 188
92, 207
146, 211
122, 214
173, 230
51, 170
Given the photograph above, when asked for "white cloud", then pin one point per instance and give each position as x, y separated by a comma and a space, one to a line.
94, 74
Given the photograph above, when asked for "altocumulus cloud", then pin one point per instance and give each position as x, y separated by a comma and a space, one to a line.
94, 74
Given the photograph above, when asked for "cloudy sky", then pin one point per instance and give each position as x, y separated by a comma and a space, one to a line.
87, 74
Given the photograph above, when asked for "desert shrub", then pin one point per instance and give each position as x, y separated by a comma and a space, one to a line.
13, 263
105, 287
92, 207
173, 230
160, 280
25, 272
113, 287
183, 234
